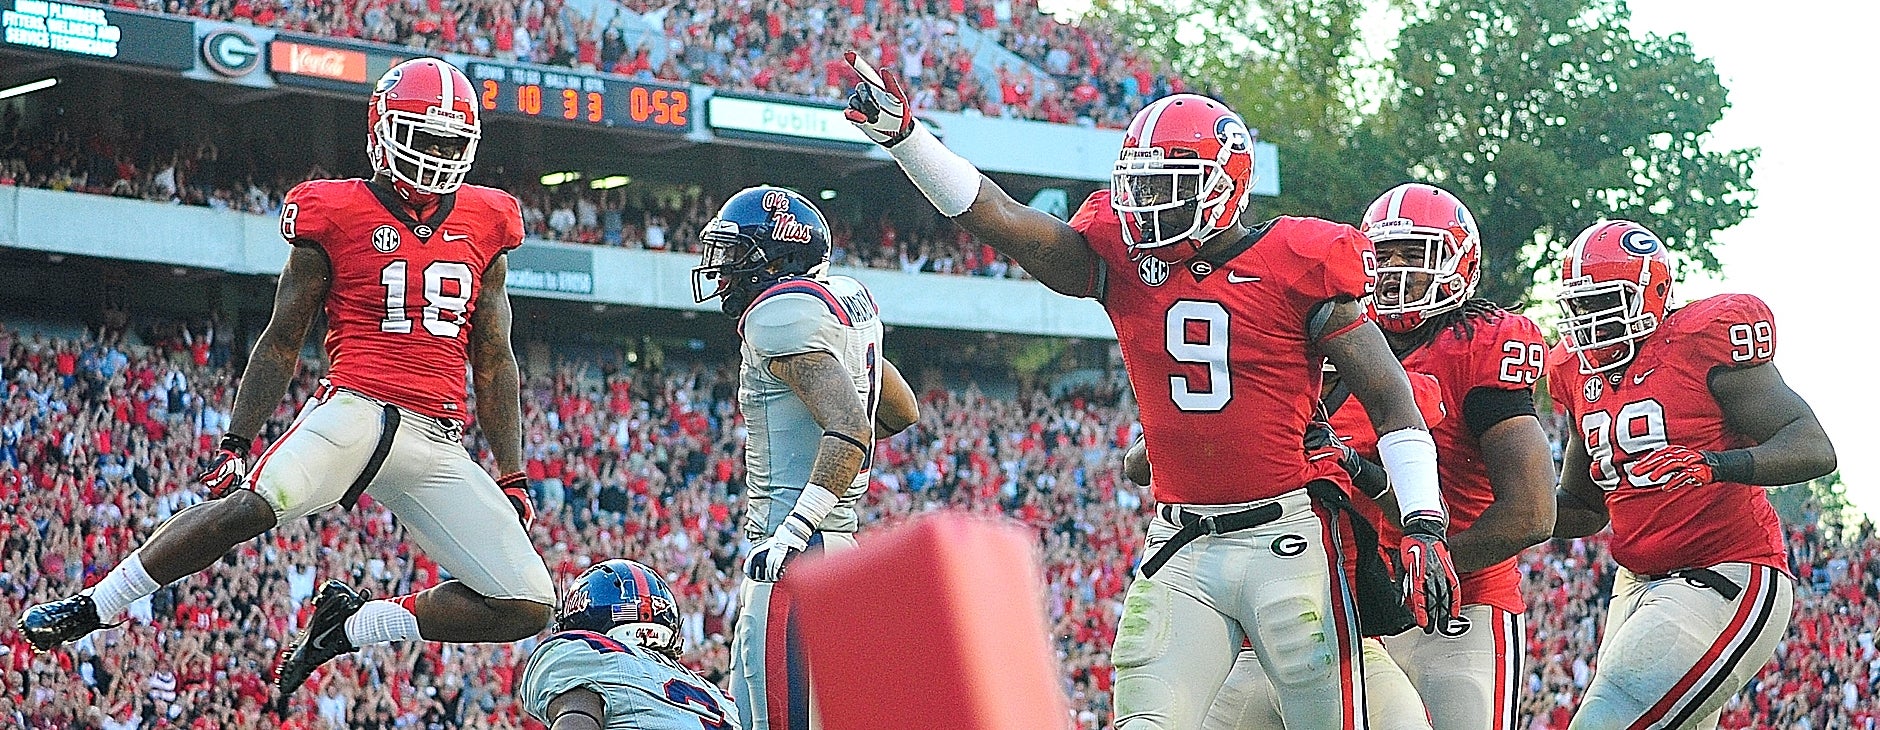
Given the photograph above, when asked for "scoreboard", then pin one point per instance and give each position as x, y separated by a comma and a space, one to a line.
589, 99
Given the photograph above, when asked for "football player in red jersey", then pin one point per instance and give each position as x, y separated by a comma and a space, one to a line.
1678, 415
1495, 466
410, 270
1223, 328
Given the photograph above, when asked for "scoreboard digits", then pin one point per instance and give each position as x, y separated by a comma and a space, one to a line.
581, 98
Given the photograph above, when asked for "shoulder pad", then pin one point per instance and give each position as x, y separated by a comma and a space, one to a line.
1730, 330
792, 318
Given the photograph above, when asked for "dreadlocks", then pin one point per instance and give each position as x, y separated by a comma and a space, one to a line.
1461, 319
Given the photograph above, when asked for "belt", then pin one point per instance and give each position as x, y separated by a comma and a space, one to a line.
1702, 578
1193, 526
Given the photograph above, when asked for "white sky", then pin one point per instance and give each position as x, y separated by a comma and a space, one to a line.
1796, 85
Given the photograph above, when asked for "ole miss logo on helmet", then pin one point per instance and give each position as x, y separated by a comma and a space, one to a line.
784, 225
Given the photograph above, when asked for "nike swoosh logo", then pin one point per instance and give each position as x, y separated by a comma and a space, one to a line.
1639, 379
1233, 278
457, 237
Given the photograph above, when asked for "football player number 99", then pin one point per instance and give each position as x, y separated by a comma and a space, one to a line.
1756, 340
1210, 351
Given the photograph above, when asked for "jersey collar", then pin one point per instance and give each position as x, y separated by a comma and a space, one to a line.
1202, 266
423, 229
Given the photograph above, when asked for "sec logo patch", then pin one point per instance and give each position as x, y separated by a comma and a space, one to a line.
1153, 271
1594, 388
385, 239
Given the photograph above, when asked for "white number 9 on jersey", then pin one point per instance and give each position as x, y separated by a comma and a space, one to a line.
1210, 351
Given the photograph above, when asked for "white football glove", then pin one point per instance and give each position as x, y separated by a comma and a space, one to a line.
878, 105
768, 558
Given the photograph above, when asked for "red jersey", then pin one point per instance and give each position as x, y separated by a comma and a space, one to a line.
1663, 397
1217, 350
403, 290
1504, 352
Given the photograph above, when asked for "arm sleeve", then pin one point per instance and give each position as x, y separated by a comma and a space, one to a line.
1103, 230
560, 666
303, 218
1730, 330
1336, 260
1508, 353
790, 324
1484, 407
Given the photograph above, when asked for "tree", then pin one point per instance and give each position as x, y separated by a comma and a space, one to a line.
1547, 115
1292, 69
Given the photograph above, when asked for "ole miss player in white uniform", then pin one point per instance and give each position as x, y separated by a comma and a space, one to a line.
409, 268
1677, 415
1223, 328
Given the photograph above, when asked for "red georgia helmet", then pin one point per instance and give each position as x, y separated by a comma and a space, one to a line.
1183, 176
1616, 285
422, 96
1452, 253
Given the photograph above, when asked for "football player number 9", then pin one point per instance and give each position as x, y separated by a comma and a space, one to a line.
1210, 351
1639, 429
436, 301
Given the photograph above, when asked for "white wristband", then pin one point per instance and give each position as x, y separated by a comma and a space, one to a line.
947, 179
1409, 457
814, 504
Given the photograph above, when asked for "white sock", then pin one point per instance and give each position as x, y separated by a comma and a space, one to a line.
378, 622
121, 587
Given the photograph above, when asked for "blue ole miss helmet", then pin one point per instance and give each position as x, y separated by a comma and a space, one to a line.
760, 236
617, 593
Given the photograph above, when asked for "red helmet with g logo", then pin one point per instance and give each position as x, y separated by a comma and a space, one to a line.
1616, 286
1451, 254
1184, 175
416, 105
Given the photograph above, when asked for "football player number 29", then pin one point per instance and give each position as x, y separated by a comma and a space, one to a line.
1209, 321
446, 289
1638, 430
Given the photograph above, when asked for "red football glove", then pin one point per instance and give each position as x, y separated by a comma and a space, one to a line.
878, 106
1430, 583
515, 486
227, 470
1685, 468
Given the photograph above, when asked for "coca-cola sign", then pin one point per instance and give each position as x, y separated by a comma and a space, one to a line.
301, 59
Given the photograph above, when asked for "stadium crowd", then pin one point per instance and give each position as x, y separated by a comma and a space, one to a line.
132, 163
101, 432
1061, 72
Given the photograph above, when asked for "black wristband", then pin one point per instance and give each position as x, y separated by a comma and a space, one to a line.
237, 444
845, 437
1736, 466
1370, 478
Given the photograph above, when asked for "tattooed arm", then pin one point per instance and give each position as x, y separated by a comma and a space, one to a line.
493, 365
828, 390
300, 295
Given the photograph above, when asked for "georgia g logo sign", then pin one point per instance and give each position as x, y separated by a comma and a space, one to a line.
1639, 242
230, 52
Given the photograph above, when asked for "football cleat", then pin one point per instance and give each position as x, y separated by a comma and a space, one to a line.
49, 625
323, 639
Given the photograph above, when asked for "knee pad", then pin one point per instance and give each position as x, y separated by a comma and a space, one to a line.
1294, 640
1142, 638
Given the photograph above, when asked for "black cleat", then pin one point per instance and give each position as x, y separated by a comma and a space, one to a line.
49, 625
323, 639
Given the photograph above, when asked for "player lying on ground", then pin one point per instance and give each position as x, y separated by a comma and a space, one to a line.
1677, 414
410, 270
1223, 326
815, 391
613, 662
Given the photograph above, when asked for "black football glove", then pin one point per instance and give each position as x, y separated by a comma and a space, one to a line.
1430, 585
227, 470
515, 486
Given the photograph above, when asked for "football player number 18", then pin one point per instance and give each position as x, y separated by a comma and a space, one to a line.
1210, 350
446, 289
1639, 429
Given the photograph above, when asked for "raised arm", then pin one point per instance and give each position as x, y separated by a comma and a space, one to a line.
1049, 249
